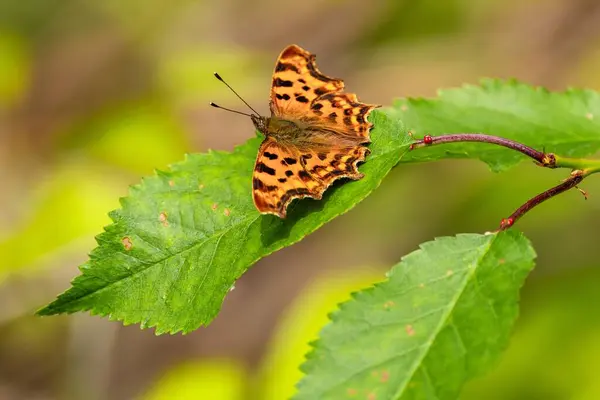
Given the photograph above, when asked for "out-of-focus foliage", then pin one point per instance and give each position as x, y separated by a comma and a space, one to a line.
207, 379
69, 201
135, 137
15, 62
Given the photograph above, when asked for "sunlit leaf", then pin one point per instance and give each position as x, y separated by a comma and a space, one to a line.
444, 316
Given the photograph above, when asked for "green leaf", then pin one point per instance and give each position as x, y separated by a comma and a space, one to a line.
443, 316
182, 238
566, 123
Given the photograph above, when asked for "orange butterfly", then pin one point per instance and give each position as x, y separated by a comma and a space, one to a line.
315, 134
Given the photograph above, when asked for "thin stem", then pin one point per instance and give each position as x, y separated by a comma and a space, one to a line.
546, 160
581, 167
569, 183
583, 164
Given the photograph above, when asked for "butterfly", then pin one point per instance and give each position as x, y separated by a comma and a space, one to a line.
315, 135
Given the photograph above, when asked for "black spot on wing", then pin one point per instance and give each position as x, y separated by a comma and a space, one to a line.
270, 156
281, 66
261, 167
278, 82
305, 176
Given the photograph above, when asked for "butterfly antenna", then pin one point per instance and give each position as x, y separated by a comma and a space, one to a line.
229, 109
236, 93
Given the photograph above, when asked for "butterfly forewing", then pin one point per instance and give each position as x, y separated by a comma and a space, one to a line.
297, 82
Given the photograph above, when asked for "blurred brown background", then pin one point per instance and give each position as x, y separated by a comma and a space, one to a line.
96, 94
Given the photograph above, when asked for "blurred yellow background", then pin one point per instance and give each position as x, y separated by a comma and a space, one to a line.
96, 94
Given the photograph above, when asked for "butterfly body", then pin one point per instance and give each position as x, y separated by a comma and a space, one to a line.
278, 128
315, 134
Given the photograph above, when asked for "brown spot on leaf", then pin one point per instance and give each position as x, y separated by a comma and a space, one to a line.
589, 116
385, 376
371, 396
214, 206
127, 243
389, 304
171, 183
162, 217
410, 330
227, 212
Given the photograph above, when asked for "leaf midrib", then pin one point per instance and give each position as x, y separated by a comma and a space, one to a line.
443, 321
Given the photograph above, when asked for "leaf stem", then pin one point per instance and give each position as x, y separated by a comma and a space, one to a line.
588, 166
546, 160
576, 177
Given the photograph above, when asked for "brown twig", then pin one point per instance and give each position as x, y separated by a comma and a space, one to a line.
580, 167
542, 158
569, 183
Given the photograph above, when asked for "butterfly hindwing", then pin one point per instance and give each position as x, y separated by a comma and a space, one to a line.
283, 173
279, 177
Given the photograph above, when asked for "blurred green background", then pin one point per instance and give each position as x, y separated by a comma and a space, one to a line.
96, 94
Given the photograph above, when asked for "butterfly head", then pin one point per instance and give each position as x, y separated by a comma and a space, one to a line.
261, 123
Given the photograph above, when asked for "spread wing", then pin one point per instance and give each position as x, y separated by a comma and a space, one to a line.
299, 91
283, 173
